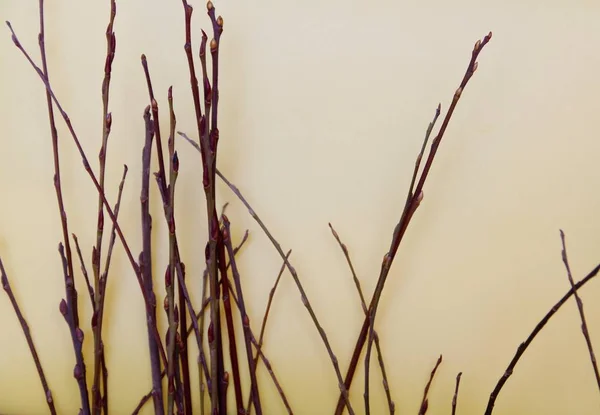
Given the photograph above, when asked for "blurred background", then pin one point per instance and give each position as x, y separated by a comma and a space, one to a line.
323, 108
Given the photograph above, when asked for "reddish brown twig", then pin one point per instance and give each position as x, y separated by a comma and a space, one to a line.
386, 387
83, 269
25, 327
202, 364
97, 393
584, 326
264, 323
303, 295
146, 264
71, 294
148, 301
455, 397
208, 134
175, 263
295, 277
98, 317
414, 199
425, 401
523, 346
226, 232
235, 370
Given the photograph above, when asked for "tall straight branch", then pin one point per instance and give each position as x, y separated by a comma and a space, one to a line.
146, 263
168, 207
148, 300
70, 276
413, 201
245, 319
209, 135
175, 263
97, 251
233, 357
584, 326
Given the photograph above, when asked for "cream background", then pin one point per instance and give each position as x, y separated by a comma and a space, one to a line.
323, 109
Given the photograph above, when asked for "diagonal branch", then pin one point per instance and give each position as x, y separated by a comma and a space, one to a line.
425, 401
27, 333
386, 387
584, 326
413, 202
523, 346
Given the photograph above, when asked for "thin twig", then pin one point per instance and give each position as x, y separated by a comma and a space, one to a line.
264, 322
27, 333
455, 397
167, 195
413, 202
147, 300
71, 294
273, 377
168, 200
233, 357
292, 270
425, 401
584, 326
385, 381
146, 264
523, 346
226, 232
83, 269
208, 134
68, 309
183, 352
98, 317
97, 393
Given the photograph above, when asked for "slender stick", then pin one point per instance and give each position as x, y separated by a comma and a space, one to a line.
168, 207
68, 309
273, 377
237, 384
99, 310
71, 305
264, 323
183, 352
292, 270
455, 397
27, 333
167, 195
209, 134
245, 319
523, 346
83, 269
413, 202
148, 301
98, 317
425, 401
385, 381
146, 263
296, 278
97, 250
584, 326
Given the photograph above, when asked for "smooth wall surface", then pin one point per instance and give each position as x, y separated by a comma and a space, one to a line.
323, 109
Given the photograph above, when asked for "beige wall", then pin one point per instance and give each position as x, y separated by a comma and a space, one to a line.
323, 109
